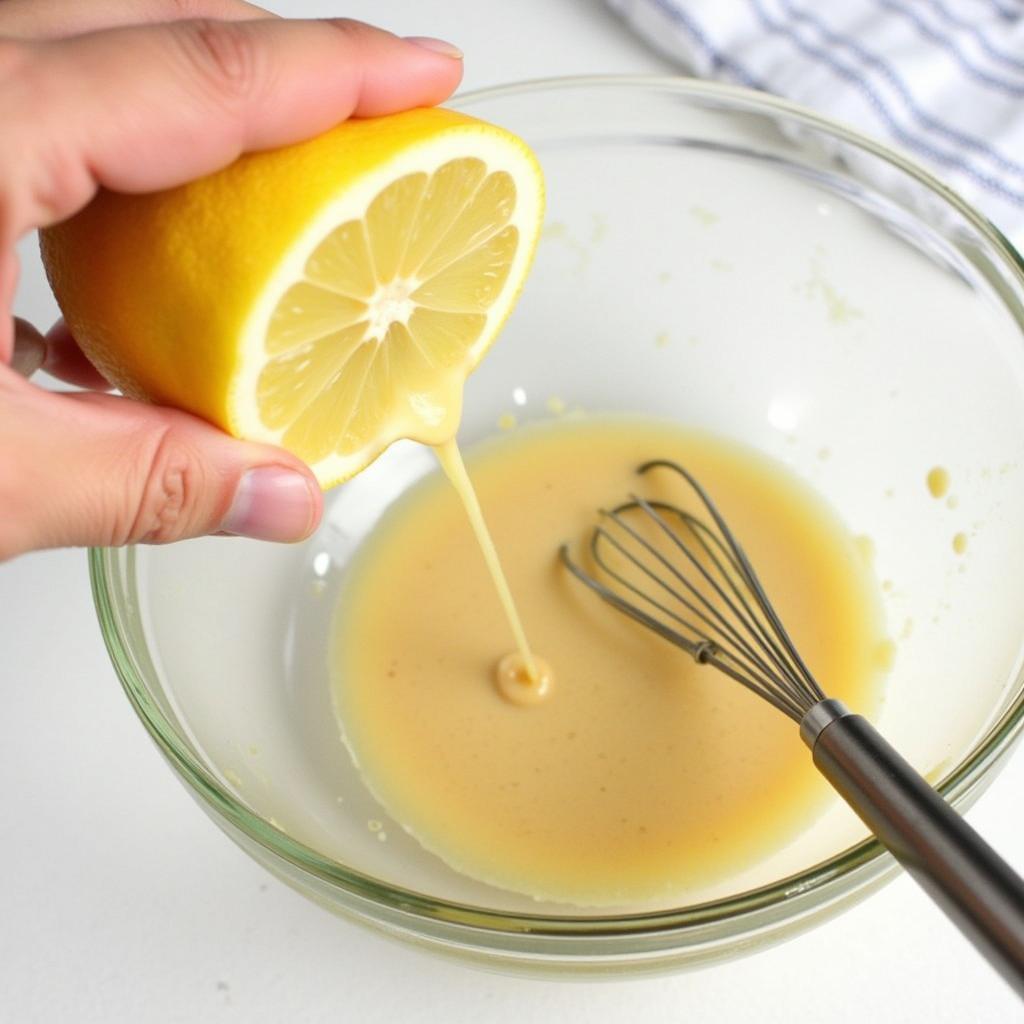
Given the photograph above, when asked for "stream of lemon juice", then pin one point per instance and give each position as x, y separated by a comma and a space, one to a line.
521, 667
625, 773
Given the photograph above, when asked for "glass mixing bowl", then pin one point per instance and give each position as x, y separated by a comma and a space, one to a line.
726, 260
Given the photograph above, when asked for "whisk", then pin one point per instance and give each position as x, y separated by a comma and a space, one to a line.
686, 577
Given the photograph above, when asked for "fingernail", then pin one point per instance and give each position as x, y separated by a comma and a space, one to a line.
29, 350
272, 503
436, 46
28, 356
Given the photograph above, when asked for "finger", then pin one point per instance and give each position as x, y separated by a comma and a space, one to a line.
137, 109
67, 362
98, 470
10, 268
29, 348
53, 19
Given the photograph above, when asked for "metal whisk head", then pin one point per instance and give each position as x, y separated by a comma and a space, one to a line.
686, 577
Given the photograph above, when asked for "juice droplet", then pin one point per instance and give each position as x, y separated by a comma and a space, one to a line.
938, 481
516, 684
960, 543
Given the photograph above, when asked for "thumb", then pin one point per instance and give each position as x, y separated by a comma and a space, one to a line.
93, 469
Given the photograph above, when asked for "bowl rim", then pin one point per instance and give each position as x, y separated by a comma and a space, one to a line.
824, 878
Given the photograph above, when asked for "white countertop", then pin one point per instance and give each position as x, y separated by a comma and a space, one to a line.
120, 901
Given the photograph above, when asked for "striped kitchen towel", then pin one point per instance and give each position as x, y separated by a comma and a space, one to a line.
943, 80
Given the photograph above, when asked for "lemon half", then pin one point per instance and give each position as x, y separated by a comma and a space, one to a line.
329, 297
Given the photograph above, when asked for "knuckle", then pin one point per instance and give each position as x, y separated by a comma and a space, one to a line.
167, 502
356, 33
60, 184
183, 9
223, 55
42, 179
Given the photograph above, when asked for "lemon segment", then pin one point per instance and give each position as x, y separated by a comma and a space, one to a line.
330, 297
376, 339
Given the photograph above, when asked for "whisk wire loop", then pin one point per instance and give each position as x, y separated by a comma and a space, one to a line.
737, 605
705, 612
712, 605
749, 575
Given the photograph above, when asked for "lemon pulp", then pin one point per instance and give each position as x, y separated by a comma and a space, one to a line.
376, 335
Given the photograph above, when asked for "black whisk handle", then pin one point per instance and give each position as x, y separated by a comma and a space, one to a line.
975, 887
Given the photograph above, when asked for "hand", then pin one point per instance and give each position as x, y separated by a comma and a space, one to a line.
87, 100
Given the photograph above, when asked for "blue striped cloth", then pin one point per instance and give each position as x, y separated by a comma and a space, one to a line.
943, 80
